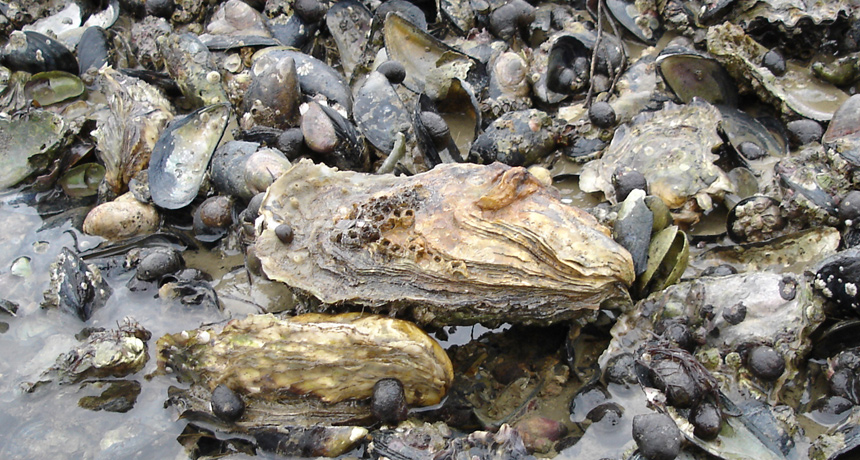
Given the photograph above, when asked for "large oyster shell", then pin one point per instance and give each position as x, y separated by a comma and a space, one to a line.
460, 244
331, 357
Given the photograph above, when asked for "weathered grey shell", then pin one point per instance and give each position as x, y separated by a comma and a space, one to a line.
379, 113
181, 156
509, 88
460, 244
640, 18
516, 138
422, 54
349, 24
238, 19
122, 218
843, 132
315, 76
673, 149
273, 97
741, 128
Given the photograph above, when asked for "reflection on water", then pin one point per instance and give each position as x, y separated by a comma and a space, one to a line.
48, 423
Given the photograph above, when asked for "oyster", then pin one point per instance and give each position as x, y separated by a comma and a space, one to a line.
673, 148
105, 353
331, 357
128, 128
793, 93
460, 244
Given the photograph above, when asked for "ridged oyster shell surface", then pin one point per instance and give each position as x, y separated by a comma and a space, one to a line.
331, 357
460, 244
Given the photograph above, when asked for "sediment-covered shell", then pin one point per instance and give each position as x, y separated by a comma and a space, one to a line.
331, 357
191, 64
349, 23
462, 243
673, 149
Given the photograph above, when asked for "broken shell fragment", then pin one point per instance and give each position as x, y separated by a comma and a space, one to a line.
460, 244
331, 357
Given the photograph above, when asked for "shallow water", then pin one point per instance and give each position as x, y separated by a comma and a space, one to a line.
48, 423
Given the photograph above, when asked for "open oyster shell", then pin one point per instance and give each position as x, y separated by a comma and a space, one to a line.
460, 244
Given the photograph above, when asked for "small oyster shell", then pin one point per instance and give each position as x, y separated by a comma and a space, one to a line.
673, 148
460, 244
106, 353
332, 357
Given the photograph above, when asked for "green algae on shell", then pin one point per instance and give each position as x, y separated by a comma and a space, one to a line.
460, 244
30, 144
331, 357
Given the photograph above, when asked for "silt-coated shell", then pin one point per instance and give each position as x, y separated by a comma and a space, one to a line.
462, 243
122, 218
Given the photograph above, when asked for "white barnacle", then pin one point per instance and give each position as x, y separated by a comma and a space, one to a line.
203, 336
851, 289
819, 284
827, 292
